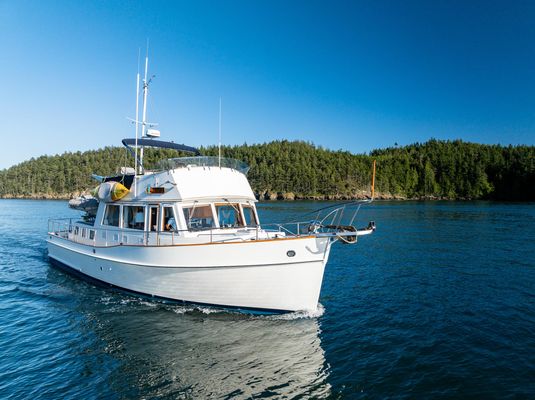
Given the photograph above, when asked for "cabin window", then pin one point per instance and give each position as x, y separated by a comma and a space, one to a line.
111, 217
169, 220
153, 218
229, 215
249, 216
134, 217
199, 217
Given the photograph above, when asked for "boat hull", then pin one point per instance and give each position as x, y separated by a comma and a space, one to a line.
286, 276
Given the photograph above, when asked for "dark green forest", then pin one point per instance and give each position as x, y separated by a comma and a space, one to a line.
283, 169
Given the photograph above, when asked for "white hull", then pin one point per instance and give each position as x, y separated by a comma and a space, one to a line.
219, 274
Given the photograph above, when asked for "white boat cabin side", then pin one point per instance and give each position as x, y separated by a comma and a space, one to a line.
179, 217
184, 205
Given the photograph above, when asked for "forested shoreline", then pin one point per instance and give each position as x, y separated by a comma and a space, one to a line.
435, 169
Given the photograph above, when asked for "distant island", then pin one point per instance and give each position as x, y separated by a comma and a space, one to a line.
288, 170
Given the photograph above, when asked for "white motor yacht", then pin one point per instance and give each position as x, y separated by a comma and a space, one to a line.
190, 232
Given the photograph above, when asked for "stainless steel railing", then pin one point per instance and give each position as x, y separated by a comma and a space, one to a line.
81, 232
85, 233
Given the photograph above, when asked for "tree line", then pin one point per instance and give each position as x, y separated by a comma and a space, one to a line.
296, 169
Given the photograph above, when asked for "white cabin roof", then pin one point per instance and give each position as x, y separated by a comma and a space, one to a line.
192, 183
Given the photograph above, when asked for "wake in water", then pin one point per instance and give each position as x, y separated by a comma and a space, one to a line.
298, 314
273, 317
118, 304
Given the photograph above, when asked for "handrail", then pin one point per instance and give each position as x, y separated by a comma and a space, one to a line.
81, 232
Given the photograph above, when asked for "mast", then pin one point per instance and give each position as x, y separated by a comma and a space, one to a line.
137, 123
145, 93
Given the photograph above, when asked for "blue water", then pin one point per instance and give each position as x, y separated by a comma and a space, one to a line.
438, 303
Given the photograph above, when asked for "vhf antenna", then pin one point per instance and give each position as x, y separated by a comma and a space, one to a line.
219, 132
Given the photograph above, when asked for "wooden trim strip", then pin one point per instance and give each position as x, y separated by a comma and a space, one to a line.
187, 244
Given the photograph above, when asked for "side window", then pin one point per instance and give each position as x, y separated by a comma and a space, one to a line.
249, 215
111, 216
134, 217
229, 216
169, 220
199, 217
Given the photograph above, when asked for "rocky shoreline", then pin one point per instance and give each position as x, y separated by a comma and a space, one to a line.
362, 195
262, 196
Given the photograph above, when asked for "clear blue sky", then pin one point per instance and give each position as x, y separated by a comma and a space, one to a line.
351, 75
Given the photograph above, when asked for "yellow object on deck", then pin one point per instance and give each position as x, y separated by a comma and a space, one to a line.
118, 191
111, 191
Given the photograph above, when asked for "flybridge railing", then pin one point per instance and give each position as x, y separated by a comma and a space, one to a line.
328, 226
203, 161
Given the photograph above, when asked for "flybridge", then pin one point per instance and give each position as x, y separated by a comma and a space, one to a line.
172, 163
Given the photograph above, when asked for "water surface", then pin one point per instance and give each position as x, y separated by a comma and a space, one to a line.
439, 302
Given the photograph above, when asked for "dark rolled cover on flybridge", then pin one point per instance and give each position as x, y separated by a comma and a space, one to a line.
160, 144
125, 180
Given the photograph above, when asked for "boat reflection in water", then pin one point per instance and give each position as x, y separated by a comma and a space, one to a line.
178, 352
